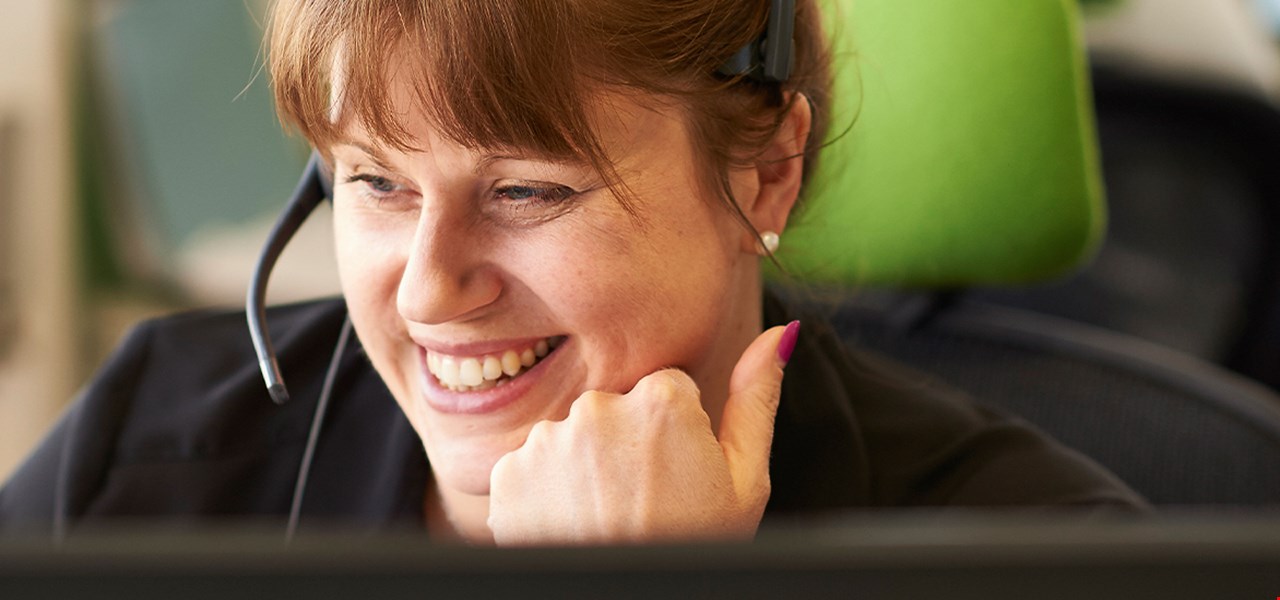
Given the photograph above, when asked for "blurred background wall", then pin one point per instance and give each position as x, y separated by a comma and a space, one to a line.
39, 323
141, 166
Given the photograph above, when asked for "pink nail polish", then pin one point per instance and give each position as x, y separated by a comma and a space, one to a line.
787, 344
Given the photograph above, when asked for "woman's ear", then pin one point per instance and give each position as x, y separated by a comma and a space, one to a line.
777, 173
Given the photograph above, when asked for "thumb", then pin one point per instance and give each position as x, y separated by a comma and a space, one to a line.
746, 424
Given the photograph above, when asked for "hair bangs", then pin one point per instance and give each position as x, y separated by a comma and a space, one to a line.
494, 75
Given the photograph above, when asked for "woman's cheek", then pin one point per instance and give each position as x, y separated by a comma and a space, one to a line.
371, 259
369, 271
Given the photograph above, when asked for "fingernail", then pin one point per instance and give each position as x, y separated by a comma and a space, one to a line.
787, 344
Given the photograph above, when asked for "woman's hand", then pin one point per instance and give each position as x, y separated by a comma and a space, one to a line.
645, 465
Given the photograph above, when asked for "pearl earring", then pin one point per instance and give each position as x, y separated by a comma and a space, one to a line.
770, 240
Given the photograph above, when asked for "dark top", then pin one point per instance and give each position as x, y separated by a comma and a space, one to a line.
178, 426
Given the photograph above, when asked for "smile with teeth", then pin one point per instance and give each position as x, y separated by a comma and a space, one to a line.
476, 373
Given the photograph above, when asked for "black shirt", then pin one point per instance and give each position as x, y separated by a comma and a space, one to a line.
178, 427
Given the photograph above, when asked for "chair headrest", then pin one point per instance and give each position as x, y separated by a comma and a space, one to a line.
971, 157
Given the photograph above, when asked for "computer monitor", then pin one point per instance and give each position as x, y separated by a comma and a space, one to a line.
916, 556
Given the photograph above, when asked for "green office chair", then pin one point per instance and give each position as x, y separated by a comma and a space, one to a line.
971, 161
971, 157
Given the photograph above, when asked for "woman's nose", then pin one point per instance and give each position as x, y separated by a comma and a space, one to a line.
447, 275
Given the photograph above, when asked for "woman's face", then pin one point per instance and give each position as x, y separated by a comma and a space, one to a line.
463, 267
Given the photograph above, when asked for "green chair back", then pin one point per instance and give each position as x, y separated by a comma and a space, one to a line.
962, 148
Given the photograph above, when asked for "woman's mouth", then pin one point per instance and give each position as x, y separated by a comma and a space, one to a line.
477, 373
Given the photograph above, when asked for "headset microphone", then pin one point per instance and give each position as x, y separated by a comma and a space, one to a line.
314, 186
312, 189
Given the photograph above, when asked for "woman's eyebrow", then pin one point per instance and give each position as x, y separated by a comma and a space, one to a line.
487, 160
373, 153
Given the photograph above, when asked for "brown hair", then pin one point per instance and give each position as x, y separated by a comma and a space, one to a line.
520, 73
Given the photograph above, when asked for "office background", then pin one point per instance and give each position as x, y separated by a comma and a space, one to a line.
141, 166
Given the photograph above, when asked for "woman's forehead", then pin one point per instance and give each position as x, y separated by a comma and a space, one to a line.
624, 122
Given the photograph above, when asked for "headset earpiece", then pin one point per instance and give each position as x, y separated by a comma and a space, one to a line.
771, 58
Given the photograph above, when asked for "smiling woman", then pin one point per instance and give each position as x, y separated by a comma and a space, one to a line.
549, 219
450, 263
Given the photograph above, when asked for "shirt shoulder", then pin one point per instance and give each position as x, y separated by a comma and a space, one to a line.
882, 434
178, 420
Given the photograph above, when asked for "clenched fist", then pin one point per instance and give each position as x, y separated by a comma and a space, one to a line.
646, 465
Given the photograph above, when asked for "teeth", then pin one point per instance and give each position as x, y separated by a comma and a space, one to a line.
468, 374
448, 373
510, 363
492, 368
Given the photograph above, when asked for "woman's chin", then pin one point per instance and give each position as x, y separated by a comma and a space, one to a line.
466, 432
463, 464
469, 476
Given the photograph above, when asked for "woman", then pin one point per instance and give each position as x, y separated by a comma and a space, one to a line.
549, 218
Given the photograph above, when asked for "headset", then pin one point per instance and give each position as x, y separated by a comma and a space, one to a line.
769, 60
772, 56
314, 186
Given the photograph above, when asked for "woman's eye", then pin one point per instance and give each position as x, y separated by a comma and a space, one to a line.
381, 184
526, 193
378, 184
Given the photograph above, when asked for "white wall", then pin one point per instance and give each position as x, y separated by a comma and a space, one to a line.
1222, 42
